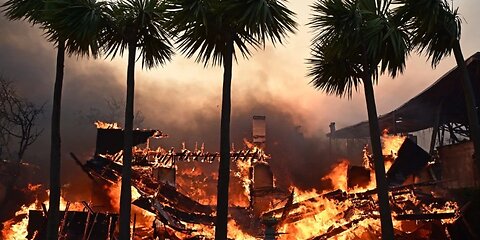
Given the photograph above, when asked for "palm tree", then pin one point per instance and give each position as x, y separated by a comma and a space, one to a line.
66, 25
135, 24
436, 32
217, 31
354, 42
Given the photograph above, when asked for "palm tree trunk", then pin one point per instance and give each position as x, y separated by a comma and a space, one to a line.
126, 191
382, 187
470, 102
224, 167
55, 160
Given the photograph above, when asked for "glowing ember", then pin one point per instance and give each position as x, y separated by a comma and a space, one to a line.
105, 125
33, 187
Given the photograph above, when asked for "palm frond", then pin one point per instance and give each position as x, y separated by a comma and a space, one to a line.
336, 20
205, 26
433, 32
141, 23
265, 19
332, 73
362, 36
29, 10
388, 43
79, 22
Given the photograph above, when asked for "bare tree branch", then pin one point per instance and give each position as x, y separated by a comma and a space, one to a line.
18, 118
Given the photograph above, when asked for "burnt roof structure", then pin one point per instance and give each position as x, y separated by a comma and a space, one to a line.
444, 98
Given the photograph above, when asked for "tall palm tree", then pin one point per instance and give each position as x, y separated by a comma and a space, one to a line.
217, 31
135, 24
73, 26
354, 42
436, 32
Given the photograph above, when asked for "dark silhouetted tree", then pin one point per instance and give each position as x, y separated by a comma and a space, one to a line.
135, 24
355, 41
73, 26
216, 31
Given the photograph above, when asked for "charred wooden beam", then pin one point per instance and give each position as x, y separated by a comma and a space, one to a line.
87, 206
84, 169
336, 194
146, 203
393, 189
426, 216
182, 201
287, 208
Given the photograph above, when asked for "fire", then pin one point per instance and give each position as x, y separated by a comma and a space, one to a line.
33, 187
248, 144
338, 175
144, 218
341, 211
234, 232
16, 228
323, 214
198, 181
391, 144
13, 229
243, 173
105, 125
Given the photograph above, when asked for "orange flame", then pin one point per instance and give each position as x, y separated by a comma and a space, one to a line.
391, 144
105, 125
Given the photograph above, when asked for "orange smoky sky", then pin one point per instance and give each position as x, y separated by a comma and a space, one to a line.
277, 75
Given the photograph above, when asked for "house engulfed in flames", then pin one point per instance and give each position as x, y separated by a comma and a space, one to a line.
174, 192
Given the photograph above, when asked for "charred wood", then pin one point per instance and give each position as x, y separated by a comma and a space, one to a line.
147, 203
170, 194
425, 216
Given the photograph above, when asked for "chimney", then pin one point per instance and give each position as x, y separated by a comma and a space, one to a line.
332, 128
259, 131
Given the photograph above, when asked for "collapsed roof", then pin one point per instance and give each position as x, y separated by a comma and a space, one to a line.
444, 97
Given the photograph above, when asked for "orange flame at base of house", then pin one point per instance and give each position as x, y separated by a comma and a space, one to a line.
313, 215
13, 229
391, 144
143, 219
16, 228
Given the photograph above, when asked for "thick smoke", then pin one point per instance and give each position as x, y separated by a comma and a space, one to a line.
176, 108
29, 61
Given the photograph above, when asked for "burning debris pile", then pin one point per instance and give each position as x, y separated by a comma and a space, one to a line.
174, 194
78, 220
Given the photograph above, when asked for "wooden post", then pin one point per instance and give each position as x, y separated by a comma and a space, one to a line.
62, 223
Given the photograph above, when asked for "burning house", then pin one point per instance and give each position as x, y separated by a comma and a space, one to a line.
441, 109
449, 159
174, 190
173, 193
